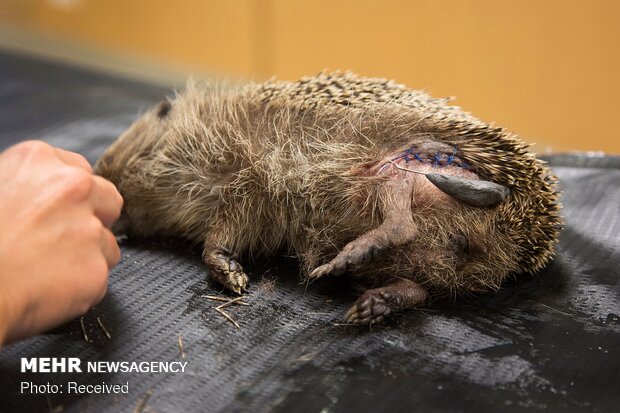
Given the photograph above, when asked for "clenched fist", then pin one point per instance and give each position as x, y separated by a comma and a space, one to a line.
55, 244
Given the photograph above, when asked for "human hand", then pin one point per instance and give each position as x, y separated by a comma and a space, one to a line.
55, 245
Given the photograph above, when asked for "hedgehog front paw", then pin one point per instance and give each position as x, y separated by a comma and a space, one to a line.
235, 279
226, 270
370, 308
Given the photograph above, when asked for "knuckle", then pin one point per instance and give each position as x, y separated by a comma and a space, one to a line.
83, 162
114, 249
30, 148
117, 256
91, 230
100, 272
120, 201
77, 182
102, 293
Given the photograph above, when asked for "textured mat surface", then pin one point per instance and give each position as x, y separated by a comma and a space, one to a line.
544, 343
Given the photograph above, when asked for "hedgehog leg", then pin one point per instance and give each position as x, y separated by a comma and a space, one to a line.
367, 247
376, 304
397, 229
224, 267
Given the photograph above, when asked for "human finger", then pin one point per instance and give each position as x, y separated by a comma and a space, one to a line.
107, 201
109, 248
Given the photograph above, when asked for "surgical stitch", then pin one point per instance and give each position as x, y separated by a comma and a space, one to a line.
434, 160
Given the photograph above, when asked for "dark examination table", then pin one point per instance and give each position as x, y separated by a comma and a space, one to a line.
545, 343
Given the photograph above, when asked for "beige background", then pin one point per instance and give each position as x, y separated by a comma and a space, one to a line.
548, 70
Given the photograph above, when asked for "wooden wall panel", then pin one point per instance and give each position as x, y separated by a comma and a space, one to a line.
546, 69
208, 35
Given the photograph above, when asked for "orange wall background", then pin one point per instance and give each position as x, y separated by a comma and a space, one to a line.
548, 70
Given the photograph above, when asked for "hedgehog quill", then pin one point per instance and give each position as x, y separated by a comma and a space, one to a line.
412, 196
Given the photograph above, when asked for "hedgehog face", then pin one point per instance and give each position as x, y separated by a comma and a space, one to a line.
135, 142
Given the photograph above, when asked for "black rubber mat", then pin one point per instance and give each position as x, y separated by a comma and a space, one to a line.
544, 343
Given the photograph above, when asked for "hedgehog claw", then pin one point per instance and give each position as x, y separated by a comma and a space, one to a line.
237, 281
321, 271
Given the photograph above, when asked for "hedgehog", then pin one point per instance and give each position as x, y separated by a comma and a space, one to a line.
412, 197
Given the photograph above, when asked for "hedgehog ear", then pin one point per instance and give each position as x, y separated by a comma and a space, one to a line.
163, 108
470, 191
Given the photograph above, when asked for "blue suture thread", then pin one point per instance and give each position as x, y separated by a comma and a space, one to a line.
451, 157
436, 161
410, 152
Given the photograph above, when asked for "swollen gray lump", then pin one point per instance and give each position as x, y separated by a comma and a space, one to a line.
410, 195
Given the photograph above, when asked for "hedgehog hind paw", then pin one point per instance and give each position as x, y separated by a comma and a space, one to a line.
375, 305
370, 308
226, 270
